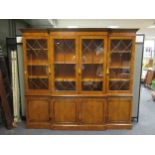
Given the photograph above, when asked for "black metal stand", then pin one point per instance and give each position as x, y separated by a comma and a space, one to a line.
136, 119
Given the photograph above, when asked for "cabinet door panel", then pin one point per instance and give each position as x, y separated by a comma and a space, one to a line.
64, 110
36, 60
64, 64
92, 64
119, 110
38, 110
92, 111
120, 63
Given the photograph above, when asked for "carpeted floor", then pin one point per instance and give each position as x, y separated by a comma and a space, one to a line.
145, 126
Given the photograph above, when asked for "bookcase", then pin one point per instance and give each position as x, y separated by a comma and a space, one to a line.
78, 79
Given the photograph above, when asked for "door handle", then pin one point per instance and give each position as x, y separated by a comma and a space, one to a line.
49, 69
79, 71
107, 71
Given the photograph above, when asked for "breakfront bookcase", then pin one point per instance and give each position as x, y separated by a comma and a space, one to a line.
78, 79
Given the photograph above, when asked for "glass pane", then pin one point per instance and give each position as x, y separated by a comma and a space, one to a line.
65, 86
119, 73
36, 50
64, 72
38, 70
92, 64
120, 57
36, 44
65, 64
119, 85
38, 83
92, 50
92, 72
92, 86
64, 50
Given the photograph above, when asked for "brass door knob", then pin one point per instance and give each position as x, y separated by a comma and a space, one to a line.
107, 71
79, 71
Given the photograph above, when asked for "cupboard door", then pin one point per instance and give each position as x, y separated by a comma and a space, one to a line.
38, 110
36, 64
119, 110
92, 111
92, 64
120, 67
64, 110
65, 64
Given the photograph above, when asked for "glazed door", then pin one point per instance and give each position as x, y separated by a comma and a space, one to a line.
64, 50
37, 68
120, 60
92, 64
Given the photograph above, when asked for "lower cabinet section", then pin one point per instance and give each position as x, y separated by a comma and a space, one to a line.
77, 113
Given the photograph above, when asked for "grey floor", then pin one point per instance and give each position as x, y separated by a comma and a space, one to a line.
145, 126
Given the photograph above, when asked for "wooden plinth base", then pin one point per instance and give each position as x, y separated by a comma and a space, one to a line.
78, 127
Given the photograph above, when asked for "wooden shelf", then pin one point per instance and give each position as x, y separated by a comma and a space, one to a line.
37, 63
93, 63
65, 62
119, 79
65, 79
37, 77
92, 80
37, 49
119, 67
120, 52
